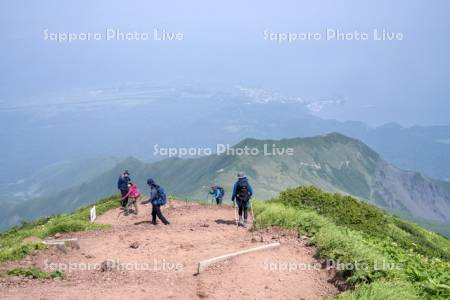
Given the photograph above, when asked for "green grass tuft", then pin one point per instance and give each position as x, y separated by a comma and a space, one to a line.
33, 272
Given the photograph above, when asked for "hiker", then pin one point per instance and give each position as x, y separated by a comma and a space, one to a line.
217, 193
157, 199
242, 192
122, 185
133, 195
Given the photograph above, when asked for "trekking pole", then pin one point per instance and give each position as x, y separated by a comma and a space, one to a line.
253, 216
118, 215
207, 198
236, 215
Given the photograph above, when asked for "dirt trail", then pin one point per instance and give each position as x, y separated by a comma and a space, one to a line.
164, 263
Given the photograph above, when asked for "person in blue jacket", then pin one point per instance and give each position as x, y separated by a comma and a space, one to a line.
157, 199
122, 185
217, 193
242, 193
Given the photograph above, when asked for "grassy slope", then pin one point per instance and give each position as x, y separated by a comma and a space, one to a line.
349, 231
13, 246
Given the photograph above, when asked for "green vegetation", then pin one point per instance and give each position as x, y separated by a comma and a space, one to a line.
389, 258
13, 245
381, 290
34, 272
354, 214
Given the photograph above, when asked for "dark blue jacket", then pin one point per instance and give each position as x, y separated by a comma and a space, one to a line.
157, 196
235, 191
122, 183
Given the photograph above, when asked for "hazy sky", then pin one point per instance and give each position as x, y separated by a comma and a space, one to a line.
223, 44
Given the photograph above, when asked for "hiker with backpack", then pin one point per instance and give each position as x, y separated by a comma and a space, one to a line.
157, 199
122, 185
132, 197
217, 193
242, 192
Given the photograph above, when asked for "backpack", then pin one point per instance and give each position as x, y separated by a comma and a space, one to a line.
162, 198
242, 190
221, 191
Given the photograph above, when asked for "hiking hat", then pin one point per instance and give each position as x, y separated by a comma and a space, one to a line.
150, 181
240, 175
126, 172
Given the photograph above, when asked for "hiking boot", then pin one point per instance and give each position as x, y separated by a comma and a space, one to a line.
241, 222
154, 223
167, 223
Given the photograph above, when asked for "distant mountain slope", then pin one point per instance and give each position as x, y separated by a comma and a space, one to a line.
445, 185
418, 148
57, 177
332, 162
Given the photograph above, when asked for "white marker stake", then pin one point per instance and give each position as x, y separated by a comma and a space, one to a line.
93, 214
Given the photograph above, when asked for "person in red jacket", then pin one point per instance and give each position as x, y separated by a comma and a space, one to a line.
132, 195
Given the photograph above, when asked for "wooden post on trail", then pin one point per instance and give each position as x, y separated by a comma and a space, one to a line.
206, 263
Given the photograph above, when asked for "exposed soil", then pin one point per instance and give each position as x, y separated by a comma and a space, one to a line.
159, 262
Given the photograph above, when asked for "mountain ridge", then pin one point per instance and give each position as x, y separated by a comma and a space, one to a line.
333, 162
